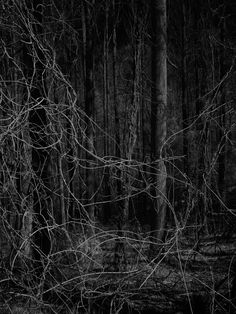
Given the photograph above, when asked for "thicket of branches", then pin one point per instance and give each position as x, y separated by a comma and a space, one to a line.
100, 185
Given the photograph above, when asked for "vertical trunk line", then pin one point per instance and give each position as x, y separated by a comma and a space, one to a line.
158, 119
89, 106
184, 91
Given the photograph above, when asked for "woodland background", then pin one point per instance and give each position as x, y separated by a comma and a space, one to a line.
117, 150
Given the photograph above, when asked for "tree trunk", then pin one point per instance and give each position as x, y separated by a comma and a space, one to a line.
135, 108
222, 112
118, 204
106, 177
184, 90
158, 118
40, 156
202, 143
89, 105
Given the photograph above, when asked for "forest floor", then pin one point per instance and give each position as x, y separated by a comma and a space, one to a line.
114, 273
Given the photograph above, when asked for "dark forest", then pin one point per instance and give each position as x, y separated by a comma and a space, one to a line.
117, 156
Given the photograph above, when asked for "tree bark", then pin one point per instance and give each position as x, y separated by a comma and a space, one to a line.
89, 103
184, 90
106, 177
118, 204
33, 58
158, 118
135, 108
222, 112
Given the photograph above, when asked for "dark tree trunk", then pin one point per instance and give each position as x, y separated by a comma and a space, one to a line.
34, 68
222, 112
185, 115
202, 126
118, 204
106, 177
158, 118
88, 55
